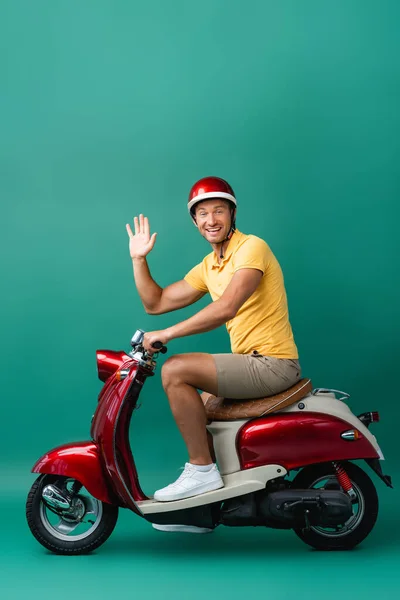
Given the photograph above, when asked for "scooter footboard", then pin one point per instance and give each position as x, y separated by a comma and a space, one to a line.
81, 461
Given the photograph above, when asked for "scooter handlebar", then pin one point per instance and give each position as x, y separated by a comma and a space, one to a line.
160, 346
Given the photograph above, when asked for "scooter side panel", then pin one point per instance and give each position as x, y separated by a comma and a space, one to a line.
327, 404
298, 439
79, 461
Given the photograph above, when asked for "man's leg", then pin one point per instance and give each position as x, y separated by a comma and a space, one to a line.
204, 398
182, 375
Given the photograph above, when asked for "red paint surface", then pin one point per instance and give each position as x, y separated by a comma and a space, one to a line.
208, 185
105, 466
110, 431
79, 461
109, 361
297, 439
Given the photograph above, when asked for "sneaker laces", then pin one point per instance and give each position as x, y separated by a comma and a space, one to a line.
188, 468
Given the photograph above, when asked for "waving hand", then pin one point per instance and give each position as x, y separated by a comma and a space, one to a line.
141, 243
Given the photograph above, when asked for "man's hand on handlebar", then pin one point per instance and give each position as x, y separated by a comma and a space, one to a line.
151, 337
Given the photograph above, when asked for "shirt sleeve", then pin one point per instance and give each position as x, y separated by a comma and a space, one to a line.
254, 253
195, 278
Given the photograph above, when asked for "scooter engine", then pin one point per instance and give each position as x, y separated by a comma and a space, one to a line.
288, 509
301, 508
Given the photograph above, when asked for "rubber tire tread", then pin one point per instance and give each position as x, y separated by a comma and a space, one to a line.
44, 537
308, 475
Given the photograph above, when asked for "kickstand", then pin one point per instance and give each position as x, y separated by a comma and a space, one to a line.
307, 527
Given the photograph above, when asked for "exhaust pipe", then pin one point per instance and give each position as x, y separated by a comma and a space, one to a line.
55, 498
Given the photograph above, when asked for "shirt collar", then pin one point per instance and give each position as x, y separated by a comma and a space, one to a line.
233, 242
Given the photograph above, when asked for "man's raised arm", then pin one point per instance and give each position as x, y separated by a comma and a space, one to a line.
155, 299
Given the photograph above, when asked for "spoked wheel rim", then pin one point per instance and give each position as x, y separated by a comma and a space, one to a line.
353, 522
76, 524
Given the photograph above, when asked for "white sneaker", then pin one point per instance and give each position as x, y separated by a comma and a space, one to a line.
182, 528
191, 483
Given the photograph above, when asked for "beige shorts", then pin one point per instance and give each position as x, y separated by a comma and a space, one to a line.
243, 376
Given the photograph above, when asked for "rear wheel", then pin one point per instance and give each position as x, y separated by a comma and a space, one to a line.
365, 507
77, 530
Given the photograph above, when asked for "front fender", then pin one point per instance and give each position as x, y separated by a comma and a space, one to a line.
81, 461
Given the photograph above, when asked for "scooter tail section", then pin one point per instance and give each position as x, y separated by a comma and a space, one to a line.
80, 461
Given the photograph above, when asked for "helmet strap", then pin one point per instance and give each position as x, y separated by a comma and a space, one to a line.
230, 234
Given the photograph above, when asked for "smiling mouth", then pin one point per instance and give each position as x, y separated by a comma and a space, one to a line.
214, 230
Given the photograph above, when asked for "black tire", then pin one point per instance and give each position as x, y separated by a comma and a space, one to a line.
41, 528
357, 528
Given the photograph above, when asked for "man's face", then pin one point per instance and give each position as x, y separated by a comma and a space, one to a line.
213, 219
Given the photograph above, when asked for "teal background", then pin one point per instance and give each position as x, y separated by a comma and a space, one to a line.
108, 109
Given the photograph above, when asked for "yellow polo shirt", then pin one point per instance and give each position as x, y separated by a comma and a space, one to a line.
262, 322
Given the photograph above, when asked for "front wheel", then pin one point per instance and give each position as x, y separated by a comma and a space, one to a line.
77, 530
365, 507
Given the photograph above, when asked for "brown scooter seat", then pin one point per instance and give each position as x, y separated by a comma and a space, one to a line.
228, 409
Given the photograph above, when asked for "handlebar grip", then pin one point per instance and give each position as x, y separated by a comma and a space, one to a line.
159, 346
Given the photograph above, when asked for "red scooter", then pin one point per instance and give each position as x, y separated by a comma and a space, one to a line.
331, 503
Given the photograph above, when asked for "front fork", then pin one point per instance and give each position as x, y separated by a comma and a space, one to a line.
58, 498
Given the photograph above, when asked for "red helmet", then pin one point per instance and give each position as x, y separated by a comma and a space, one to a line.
208, 188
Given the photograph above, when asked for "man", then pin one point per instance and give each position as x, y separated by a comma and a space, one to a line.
246, 284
